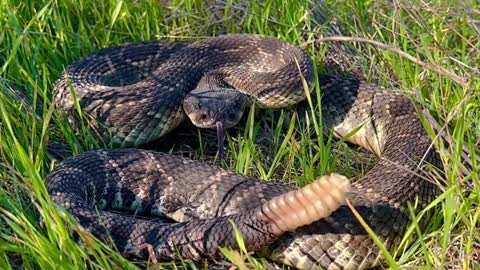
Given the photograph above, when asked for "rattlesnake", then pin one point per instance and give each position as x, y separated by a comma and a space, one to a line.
136, 92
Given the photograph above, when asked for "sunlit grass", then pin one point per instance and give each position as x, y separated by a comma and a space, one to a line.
39, 38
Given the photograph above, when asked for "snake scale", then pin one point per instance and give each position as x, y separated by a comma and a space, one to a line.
139, 92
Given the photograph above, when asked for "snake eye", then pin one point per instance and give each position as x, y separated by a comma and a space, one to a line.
231, 116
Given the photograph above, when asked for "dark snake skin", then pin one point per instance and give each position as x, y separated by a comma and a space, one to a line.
205, 197
156, 77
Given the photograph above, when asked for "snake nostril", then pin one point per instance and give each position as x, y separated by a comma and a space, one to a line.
203, 116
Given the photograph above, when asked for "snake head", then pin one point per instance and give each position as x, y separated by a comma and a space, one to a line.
217, 108
207, 107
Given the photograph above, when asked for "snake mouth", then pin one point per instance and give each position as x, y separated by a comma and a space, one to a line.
220, 138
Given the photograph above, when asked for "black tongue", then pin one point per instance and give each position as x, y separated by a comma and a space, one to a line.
221, 139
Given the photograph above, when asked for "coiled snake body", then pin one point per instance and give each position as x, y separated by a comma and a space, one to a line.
137, 92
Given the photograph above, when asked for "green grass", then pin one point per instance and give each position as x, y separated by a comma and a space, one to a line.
39, 38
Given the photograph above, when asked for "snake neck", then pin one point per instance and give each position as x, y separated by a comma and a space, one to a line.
401, 173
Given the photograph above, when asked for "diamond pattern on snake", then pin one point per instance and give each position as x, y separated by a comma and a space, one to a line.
139, 92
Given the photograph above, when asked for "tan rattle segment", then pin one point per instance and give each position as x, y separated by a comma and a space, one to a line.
308, 204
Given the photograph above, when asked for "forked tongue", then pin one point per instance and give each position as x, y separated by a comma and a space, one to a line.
221, 139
